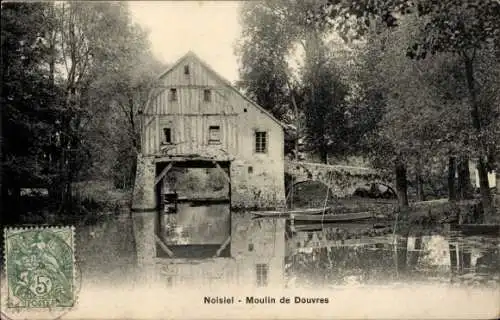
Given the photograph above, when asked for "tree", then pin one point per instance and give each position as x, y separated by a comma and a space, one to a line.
324, 101
266, 42
116, 139
312, 96
67, 69
29, 101
98, 50
461, 28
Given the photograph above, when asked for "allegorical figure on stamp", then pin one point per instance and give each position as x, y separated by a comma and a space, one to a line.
40, 267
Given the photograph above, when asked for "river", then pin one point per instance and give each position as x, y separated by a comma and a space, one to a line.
106, 251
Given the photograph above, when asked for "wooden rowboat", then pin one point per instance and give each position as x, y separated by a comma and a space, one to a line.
288, 213
355, 216
309, 227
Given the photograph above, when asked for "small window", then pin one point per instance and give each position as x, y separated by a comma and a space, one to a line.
207, 95
186, 69
250, 247
261, 142
250, 169
214, 135
173, 94
262, 271
167, 135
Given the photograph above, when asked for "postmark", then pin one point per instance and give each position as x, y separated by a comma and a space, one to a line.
40, 268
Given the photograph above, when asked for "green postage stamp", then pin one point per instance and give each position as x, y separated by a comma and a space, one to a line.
40, 267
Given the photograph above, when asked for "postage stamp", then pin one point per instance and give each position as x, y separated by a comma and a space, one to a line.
40, 267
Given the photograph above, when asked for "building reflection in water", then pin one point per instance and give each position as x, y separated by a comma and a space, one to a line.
263, 252
255, 258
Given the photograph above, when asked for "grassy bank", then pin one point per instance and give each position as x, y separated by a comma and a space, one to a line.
424, 213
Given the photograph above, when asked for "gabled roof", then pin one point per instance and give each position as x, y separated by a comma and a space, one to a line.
191, 54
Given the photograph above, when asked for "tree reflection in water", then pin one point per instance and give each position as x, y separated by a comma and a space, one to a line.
435, 258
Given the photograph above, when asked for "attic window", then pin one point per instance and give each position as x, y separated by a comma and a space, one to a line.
214, 135
173, 94
186, 69
207, 95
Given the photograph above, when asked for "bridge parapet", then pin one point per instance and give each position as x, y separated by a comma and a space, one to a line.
342, 180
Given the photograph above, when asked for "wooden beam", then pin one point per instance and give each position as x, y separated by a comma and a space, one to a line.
222, 247
164, 246
228, 178
148, 122
158, 134
163, 173
231, 114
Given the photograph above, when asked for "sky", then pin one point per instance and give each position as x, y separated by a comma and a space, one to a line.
208, 28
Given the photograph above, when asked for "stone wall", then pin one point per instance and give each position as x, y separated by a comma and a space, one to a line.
342, 180
143, 197
257, 183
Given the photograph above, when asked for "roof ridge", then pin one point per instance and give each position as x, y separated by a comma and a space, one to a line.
207, 66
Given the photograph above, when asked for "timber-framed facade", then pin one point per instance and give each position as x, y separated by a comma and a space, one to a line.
207, 152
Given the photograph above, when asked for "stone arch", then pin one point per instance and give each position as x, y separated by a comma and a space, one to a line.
342, 180
303, 181
372, 182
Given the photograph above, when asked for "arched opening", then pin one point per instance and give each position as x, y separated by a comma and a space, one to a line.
308, 194
375, 190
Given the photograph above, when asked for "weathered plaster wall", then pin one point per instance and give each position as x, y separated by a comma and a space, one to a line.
144, 216
144, 233
200, 273
342, 180
258, 241
257, 183
143, 197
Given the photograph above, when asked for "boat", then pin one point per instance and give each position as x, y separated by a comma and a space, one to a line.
309, 227
355, 216
288, 213
476, 229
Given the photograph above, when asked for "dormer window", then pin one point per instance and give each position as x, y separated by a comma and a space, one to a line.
207, 95
186, 69
173, 94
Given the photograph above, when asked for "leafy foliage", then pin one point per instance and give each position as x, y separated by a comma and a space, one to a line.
310, 97
73, 78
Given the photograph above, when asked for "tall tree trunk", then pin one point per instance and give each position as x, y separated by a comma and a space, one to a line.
452, 196
484, 187
464, 184
420, 183
497, 178
323, 153
401, 184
